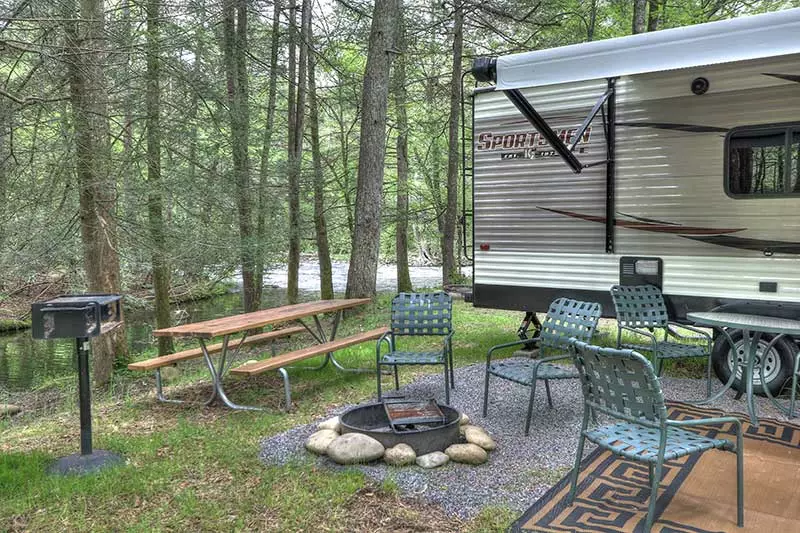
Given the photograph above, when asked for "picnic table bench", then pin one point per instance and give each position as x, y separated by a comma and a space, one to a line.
227, 326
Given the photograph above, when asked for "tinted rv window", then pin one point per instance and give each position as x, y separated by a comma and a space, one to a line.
795, 155
763, 161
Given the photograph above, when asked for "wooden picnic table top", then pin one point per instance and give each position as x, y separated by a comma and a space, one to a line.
265, 317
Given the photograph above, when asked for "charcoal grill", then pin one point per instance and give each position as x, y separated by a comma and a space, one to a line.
79, 316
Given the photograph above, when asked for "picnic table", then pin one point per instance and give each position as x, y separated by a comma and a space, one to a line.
757, 325
243, 324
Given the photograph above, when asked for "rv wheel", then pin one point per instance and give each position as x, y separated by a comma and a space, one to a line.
778, 363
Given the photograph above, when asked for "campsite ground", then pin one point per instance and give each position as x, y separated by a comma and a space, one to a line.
197, 469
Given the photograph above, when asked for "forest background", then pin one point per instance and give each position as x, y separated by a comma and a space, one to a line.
158, 147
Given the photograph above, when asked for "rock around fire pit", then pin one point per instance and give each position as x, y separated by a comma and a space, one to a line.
402, 432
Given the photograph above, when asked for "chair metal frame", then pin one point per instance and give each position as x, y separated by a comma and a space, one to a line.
623, 385
641, 310
565, 319
419, 314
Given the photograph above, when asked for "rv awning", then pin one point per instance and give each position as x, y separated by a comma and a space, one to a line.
768, 35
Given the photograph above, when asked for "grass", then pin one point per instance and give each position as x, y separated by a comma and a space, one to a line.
196, 469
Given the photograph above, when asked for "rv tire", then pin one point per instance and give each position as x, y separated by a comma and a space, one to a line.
780, 362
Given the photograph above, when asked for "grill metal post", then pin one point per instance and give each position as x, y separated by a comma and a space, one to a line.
79, 316
84, 394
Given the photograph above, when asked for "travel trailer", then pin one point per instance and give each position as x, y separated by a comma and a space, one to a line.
670, 158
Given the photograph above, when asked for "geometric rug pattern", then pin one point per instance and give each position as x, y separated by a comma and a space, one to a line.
697, 492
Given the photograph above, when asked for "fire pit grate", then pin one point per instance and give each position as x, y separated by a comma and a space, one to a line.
405, 415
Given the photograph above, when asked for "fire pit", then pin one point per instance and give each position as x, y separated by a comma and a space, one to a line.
424, 425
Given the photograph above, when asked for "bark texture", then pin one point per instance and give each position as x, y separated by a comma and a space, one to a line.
654, 15
320, 224
86, 59
449, 266
401, 116
639, 16
372, 151
293, 163
155, 210
265, 202
235, 57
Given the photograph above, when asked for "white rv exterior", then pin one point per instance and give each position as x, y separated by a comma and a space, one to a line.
540, 230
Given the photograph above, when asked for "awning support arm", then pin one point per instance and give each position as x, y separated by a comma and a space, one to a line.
542, 127
593, 113
566, 153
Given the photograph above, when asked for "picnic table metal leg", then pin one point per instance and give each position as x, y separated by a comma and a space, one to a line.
287, 390
319, 336
216, 377
162, 398
318, 332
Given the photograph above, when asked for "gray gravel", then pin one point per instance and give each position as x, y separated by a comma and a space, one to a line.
521, 469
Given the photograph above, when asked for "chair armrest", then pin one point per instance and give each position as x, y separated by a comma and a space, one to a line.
702, 335
540, 360
707, 422
507, 345
388, 338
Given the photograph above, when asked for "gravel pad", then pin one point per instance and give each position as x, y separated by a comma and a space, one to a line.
521, 469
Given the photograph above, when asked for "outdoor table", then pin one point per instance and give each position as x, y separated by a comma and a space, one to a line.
757, 325
246, 322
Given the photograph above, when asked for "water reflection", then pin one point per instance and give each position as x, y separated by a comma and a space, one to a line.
26, 364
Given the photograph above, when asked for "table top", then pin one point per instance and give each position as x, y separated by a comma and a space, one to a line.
265, 317
766, 324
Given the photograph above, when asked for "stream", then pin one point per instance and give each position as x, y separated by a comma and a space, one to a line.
27, 364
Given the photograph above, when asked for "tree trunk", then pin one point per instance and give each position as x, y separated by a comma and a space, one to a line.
400, 103
235, 54
127, 210
361, 276
265, 202
4, 157
86, 61
155, 209
449, 267
592, 24
654, 15
320, 226
293, 167
639, 16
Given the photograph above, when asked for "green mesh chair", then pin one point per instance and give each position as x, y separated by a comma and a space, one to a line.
623, 385
642, 311
565, 319
415, 315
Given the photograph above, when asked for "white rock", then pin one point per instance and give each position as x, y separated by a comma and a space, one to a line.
400, 455
7, 409
471, 454
478, 435
462, 430
354, 448
250, 361
331, 423
318, 442
432, 460
464, 419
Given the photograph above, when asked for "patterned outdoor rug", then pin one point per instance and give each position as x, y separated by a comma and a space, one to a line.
697, 494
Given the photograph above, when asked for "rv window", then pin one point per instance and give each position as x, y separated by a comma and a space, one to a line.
795, 156
763, 162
